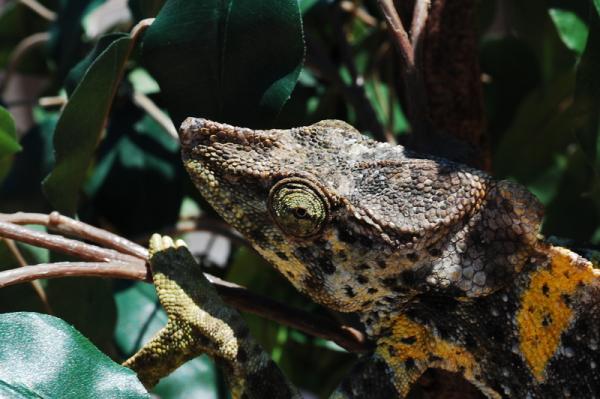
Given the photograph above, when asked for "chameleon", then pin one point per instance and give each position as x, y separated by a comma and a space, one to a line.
443, 265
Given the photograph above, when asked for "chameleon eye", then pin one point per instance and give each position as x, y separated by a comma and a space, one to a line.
298, 208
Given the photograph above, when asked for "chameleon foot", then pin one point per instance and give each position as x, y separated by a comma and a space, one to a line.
200, 322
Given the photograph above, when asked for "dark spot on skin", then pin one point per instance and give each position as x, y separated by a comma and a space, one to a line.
410, 363
391, 350
545, 289
257, 236
362, 279
470, 341
434, 358
405, 238
408, 277
326, 265
289, 274
566, 299
312, 283
389, 282
381, 263
349, 291
385, 332
475, 237
369, 321
363, 266
282, 255
342, 255
345, 236
372, 290
547, 320
366, 304
409, 340
434, 251
366, 241
241, 355
413, 257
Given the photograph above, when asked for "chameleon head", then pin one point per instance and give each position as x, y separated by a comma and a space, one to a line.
352, 222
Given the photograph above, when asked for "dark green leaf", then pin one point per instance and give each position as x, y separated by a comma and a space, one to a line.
235, 61
572, 30
8, 134
48, 358
145, 8
81, 124
8, 141
78, 71
140, 317
597, 4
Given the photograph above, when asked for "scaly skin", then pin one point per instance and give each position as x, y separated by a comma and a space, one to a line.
442, 264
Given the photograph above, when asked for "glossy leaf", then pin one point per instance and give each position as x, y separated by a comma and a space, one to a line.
236, 61
8, 141
572, 30
48, 358
81, 124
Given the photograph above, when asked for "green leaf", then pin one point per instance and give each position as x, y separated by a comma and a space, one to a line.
50, 359
235, 61
8, 141
8, 134
81, 124
597, 4
571, 29
140, 318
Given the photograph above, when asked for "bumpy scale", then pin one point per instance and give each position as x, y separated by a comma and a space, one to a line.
443, 264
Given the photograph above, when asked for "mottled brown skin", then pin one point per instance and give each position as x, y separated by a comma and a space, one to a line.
442, 264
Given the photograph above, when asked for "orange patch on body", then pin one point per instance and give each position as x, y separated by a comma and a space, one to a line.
544, 315
413, 342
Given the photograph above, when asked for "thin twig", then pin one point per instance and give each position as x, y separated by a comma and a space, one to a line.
75, 228
419, 21
24, 46
61, 244
37, 287
399, 34
146, 104
124, 270
233, 294
39, 9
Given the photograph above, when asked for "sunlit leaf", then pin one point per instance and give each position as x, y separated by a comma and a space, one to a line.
572, 30
49, 358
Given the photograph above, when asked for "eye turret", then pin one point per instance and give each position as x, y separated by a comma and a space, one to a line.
298, 207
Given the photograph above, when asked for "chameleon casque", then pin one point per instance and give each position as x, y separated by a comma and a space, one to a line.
443, 265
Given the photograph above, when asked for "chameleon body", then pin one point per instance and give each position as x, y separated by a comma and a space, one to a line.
442, 264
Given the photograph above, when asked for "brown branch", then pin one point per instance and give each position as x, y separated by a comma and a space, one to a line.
64, 245
19, 53
399, 34
75, 228
233, 294
419, 21
414, 85
123, 270
119, 265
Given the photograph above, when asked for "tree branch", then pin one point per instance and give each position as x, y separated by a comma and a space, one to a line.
109, 263
66, 225
61, 244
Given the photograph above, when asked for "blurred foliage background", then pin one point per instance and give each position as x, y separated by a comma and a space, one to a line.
88, 114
